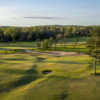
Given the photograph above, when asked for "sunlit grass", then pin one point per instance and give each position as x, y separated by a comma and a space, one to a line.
21, 77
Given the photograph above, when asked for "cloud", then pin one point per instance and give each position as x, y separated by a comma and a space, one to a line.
43, 17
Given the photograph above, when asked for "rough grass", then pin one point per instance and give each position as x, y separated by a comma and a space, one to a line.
22, 78
10, 47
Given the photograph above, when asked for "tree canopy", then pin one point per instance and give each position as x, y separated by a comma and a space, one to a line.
42, 32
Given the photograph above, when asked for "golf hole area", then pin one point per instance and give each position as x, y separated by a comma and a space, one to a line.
46, 72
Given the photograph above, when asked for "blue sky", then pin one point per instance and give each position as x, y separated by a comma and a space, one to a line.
49, 12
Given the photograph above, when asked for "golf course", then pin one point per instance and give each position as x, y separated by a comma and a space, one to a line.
49, 49
30, 74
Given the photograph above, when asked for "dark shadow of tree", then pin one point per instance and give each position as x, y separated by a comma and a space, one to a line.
40, 59
61, 96
29, 76
97, 74
67, 62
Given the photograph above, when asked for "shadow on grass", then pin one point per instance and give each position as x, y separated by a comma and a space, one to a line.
40, 59
29, 76
61, 96
63, 93
13, 71
15, 59
97, 74
67, 62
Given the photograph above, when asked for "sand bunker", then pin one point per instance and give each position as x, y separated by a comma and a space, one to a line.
46, 71
61, 53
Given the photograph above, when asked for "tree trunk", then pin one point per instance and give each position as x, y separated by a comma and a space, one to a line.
55, 46
95, 66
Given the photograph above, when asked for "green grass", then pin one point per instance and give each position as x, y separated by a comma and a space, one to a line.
22, 78
10, 47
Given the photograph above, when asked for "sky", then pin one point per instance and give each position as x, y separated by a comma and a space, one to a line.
49, 12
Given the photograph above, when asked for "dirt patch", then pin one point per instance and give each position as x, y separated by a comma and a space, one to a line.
61, 53
52, 53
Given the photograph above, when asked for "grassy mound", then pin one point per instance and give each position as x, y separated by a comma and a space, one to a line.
22, 77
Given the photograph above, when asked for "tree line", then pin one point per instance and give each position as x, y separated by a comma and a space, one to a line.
43, 32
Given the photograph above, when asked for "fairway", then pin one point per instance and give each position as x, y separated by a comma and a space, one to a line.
50, 50
22, 77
